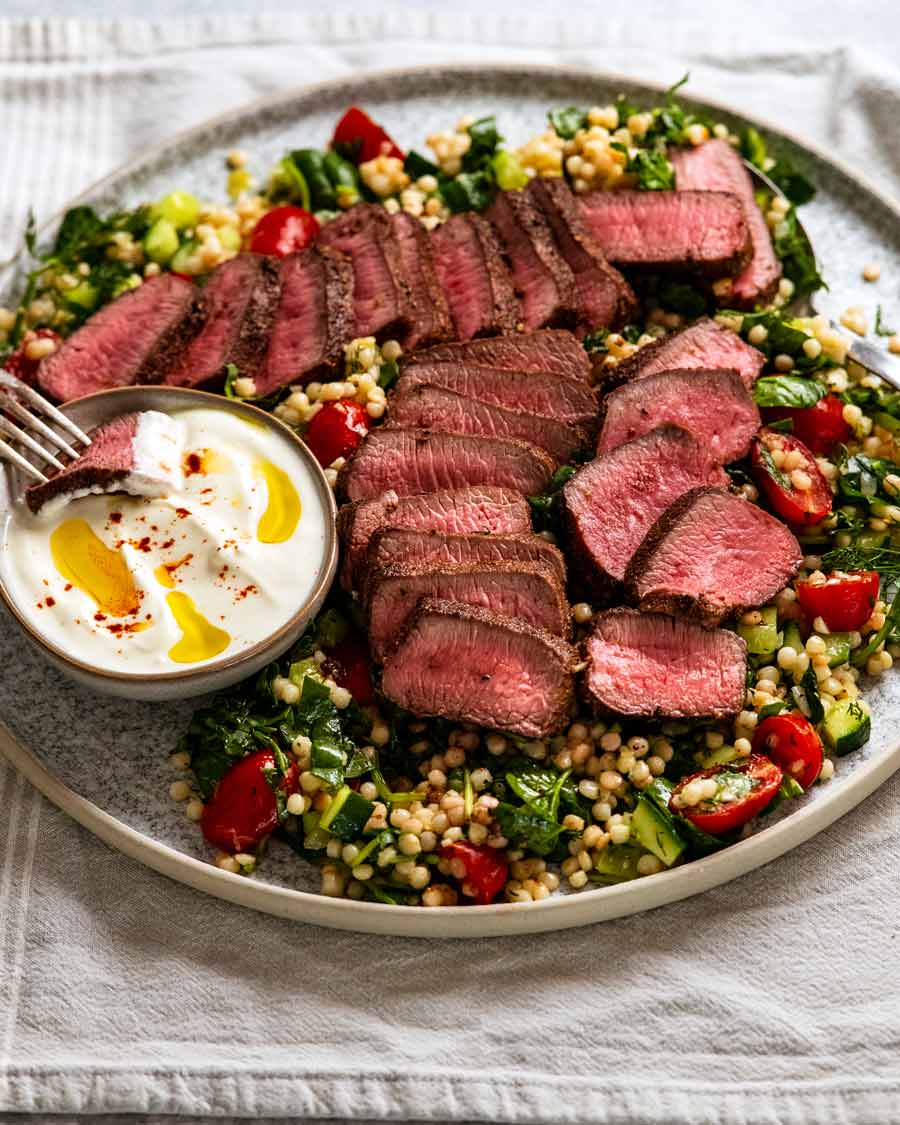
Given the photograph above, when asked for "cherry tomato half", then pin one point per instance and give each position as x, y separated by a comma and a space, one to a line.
336, 430
791, 742
283, 231
362, 139
348, 663
487, 869
795, 506
820, 427
19, 364
844, 601
743, 792
242, 810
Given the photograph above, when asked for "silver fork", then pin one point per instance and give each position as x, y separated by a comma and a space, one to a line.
24, 403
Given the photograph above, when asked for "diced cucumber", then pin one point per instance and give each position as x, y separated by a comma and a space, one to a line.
887, 422
721, 757
617, 863
763, 638
659, 791
837, 648
183, 256
654, 828
161, 241
508, 171
300, 669
314, 836
847, 726
179, 208
131, 281
793, 638
347, 814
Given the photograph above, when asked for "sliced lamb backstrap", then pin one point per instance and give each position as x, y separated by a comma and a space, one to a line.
552, 351
428, 314
543, 279
715, 406
382, 302
479, 508
653, 666
703, 345
472, 665
124, 342
412, 461
605, 299
313, 319
613, 501
236, 309
694, 233
473, 277
716, 166
712, 554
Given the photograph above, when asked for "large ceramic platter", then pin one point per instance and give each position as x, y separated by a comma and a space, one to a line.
104, 761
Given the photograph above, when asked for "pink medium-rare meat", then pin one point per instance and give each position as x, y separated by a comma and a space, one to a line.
712, 554
393, 546
472, 665
124, 342
473, 277
382, 304
715, 406
566, 400
700, 233
528, 591
716, 166
412, 461
236, 308
479, 508
613, 501
139, 453
653, 666
543, 279
701, 346
432, 408
313, 319
605, 299
553, 351
428, 314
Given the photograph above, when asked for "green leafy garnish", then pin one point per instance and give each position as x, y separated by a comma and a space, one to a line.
677, 296
787, 390
416, 166
469, 191
567, 121
782, 338
527, 829
546, 509
797, 259
652, 167
881, 329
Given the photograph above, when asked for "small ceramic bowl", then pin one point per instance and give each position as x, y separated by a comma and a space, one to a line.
92, 411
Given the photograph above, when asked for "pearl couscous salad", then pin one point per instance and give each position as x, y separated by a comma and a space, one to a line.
340, 757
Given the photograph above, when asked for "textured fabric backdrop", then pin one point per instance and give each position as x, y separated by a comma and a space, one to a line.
774, 999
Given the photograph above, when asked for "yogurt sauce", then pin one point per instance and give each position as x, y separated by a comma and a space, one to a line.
162, 583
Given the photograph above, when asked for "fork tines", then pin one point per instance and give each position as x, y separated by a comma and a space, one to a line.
24, 404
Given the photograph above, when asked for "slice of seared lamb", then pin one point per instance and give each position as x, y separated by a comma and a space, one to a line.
716, 166
313, 319
428, 314
411, 461
649, 665
432, 408
135, 453
236, 309
528, 591
473, 277
552, 351
710, 554
613, 501
698, 233
702, 346
536, 392
124, 342
393, 546
471, 665
382, 304
715, 406
481, 508
605, 299
544, 281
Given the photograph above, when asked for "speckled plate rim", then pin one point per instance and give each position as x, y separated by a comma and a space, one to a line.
502, 919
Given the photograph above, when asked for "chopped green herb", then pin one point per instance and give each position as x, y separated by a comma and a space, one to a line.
787, 390
567, 121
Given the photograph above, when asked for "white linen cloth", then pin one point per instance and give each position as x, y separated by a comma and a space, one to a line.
773, 999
